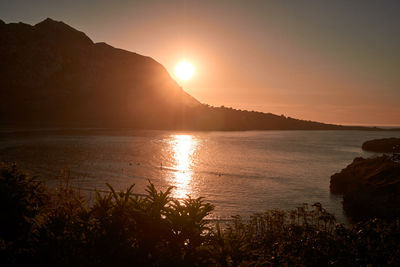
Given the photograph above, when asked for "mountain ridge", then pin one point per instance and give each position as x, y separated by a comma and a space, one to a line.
54, 75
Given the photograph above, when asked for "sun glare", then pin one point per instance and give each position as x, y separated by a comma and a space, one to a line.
184, 147
184, 70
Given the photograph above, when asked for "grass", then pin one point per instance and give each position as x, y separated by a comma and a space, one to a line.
40, 227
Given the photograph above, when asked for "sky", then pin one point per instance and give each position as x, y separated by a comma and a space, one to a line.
328, 61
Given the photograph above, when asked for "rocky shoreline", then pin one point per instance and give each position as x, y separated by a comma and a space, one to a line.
370, 188
385, 145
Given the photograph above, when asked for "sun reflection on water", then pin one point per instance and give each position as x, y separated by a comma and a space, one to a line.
183, 147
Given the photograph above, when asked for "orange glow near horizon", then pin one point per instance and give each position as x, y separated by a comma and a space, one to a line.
184, 70
183, 147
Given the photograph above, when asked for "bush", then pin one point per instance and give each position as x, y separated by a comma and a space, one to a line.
39, 228
306, 237
22, 199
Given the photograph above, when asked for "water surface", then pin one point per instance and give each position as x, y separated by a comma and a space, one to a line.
239, 172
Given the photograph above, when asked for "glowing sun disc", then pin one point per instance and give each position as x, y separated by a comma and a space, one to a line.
184, 70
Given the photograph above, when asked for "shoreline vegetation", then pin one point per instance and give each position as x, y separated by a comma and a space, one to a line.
43, 227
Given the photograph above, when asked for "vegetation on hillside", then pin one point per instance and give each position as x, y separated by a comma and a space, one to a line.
40, 227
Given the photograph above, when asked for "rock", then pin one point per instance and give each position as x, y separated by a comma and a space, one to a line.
370, 188
385, 145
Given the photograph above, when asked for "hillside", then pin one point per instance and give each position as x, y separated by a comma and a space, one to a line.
53, 75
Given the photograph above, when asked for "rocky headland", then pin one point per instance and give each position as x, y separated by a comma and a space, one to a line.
385, 145
370, 188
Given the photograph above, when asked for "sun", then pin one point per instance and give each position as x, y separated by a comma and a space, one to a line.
184, 70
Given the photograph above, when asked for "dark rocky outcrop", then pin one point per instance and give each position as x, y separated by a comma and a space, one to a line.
54, 75
385, 145
370, 188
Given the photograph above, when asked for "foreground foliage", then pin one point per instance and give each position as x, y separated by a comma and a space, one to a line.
39, 228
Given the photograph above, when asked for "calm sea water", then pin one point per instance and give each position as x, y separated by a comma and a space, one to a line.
239, 172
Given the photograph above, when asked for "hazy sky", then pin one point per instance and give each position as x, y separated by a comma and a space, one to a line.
330, 61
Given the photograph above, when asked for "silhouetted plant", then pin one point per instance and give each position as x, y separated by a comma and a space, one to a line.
124, 229
21, 199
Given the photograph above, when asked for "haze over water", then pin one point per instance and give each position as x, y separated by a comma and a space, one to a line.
239, 172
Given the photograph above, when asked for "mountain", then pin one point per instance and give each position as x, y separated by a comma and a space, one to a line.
54, 75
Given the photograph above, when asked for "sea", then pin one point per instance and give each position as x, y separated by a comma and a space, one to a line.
241, 173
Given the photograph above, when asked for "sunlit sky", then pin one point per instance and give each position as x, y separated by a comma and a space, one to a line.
330, 61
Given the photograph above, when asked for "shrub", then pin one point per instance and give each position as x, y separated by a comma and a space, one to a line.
39, 228
22, 199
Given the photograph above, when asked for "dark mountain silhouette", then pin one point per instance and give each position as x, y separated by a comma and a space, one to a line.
54, 75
